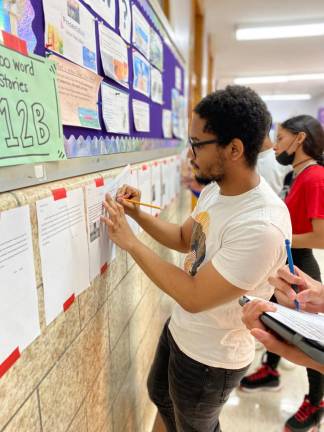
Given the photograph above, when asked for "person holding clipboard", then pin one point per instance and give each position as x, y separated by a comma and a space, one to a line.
310, 298
300, 142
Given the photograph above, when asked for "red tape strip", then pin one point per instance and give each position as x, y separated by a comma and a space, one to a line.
104, 268
15, 43
68, 302
99, 181
10, 361
144, 167
59, 193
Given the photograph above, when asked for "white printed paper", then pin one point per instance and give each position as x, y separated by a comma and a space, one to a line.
63, 249
106, 9
145, 186
156, 86
141, 32
70, 31
141, 111
114, 55
166, 186
156, 187
19, 320
142, 74
125, 20
115, 109
97, 235
156, 49
167, 123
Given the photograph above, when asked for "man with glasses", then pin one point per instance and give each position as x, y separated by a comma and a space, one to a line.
234, 241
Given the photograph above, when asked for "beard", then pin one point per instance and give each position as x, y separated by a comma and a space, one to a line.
205, 180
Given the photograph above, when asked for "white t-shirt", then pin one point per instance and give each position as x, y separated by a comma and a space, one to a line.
271, 170
244, 238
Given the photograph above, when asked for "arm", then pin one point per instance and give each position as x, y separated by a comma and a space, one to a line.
311, 240
193, 293
251, 315
171, 235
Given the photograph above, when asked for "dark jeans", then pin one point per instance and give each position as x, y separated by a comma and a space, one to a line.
189, 395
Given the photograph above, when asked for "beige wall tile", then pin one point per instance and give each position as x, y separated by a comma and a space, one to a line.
79, 423
116, 271
27, 419
122, 304
119, 363
99, 401
36, 361
88, 303
62, 391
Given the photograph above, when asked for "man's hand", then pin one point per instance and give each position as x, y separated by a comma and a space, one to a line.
311, 292
118, 229
129, 193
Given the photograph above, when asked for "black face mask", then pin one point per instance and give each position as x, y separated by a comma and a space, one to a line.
285, 159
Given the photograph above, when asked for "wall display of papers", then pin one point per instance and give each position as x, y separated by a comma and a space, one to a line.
142, 74
106, 9
76, 29
114, 55
141, 32
70, 31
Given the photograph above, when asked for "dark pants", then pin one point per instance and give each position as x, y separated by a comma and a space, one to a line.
305, 260
189, 395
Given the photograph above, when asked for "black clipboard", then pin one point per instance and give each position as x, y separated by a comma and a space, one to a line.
313, 349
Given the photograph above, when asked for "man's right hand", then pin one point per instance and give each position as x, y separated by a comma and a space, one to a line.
129, 193
311, 292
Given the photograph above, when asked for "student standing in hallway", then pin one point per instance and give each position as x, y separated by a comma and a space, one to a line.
205, 349
300, 142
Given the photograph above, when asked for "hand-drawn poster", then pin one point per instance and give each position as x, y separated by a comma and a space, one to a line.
141, 111
156, 48
106, 9
156, 86
141, 32
115, 109
125, 20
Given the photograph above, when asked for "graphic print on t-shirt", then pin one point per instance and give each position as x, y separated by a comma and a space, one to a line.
198, 243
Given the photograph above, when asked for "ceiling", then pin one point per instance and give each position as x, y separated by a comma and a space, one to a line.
268, 57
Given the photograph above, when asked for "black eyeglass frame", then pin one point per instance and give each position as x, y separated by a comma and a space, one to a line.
200, 144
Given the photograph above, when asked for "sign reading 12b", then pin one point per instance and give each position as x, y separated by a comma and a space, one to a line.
30, 125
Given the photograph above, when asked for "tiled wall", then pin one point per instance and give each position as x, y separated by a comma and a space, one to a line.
87, 371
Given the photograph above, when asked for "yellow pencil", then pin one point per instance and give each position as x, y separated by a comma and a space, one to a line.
142, 204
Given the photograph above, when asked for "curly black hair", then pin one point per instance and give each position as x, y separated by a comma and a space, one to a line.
236, 112
313, 144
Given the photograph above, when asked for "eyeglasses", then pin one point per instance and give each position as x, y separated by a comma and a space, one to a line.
198, 144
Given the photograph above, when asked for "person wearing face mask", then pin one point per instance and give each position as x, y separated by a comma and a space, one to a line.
300, 143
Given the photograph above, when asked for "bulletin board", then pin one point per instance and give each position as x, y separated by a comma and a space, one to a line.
99, 148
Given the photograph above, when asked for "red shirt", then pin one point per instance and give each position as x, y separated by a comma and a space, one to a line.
305, 200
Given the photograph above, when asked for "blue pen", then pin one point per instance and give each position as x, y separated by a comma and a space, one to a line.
292, 270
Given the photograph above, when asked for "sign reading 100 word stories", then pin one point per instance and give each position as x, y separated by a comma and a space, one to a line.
30, 124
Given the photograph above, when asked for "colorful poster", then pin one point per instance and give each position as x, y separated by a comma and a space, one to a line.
141, 32
78, 90
142, 75
156, 50
141, 111
125, 20
70, 31
106, 9
115, 109
114, 55
156, 86
16, 17
30, 121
